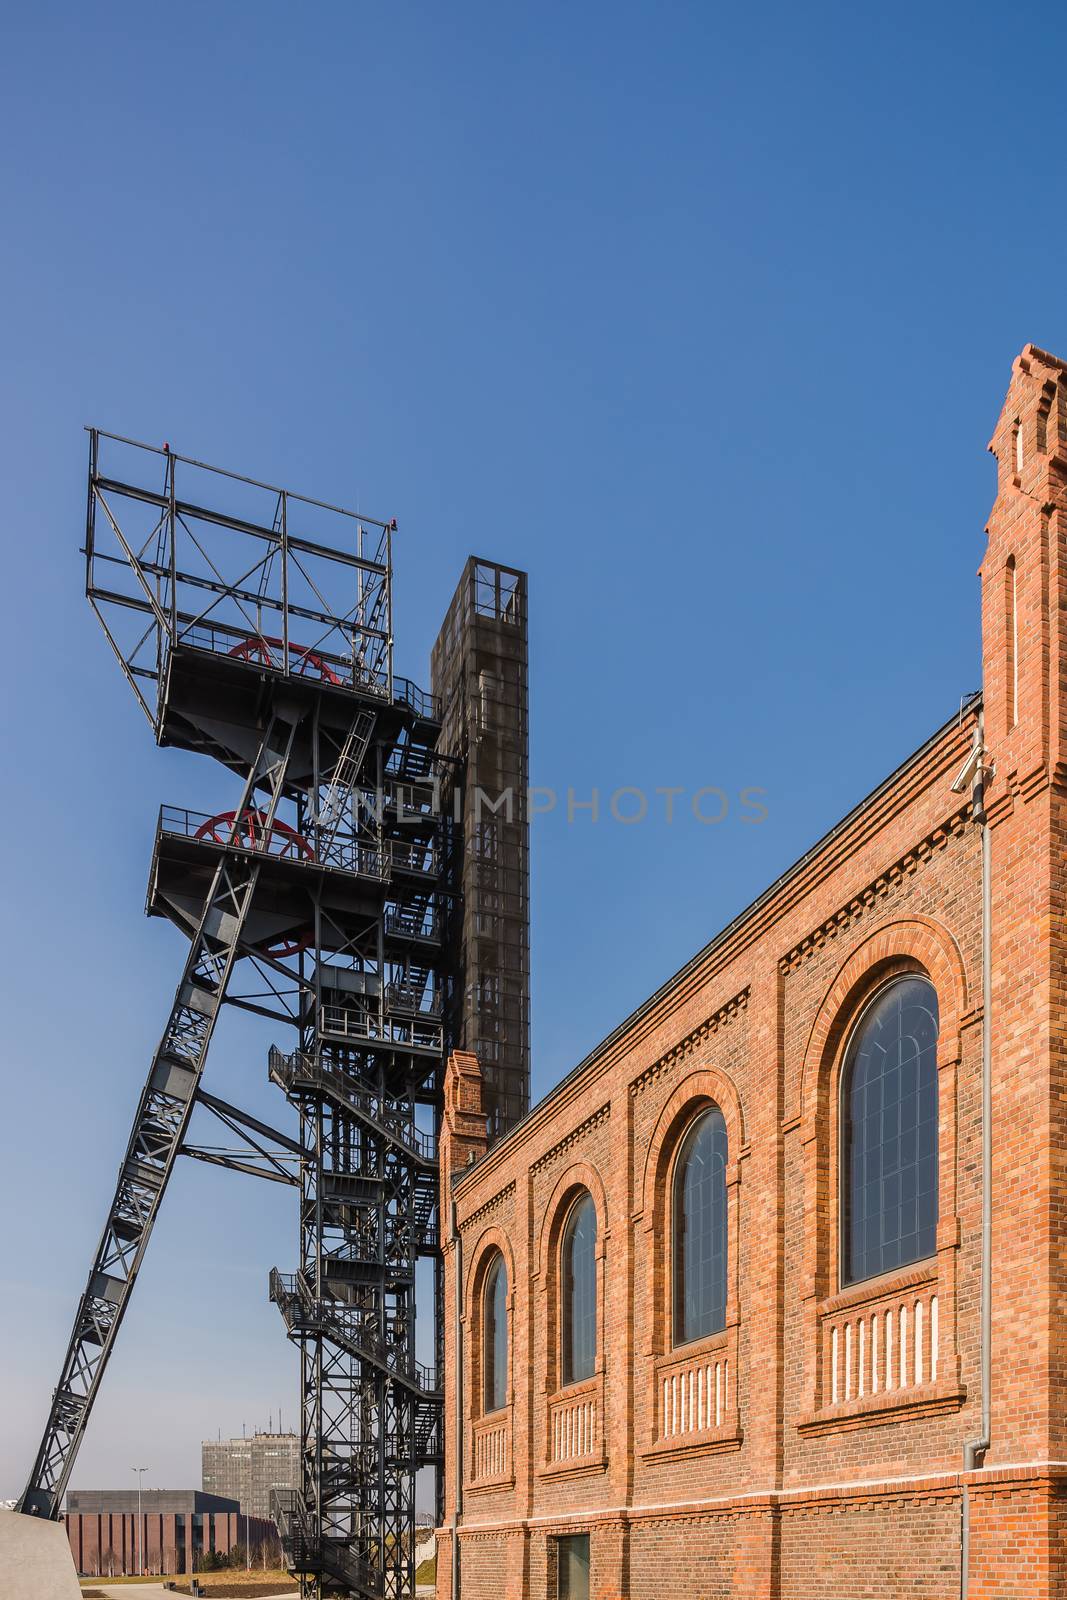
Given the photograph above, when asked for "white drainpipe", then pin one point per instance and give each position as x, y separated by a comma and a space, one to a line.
457, 1485
979, 773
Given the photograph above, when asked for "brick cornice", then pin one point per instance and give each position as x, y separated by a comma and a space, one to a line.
870, 818
569, 1140
847, 915
487, 1206
692, 1042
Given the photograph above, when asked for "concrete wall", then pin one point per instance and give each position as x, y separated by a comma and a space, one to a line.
35, 1560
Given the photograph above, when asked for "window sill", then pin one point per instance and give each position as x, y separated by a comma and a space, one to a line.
576, 1389
709, 1344
894, 1405
578, 1467
488, 1485
868, 1292
709, 1442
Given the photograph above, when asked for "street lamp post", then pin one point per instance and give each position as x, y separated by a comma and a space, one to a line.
140, 1525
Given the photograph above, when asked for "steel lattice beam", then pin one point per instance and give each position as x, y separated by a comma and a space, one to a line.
260, 635
159, 1129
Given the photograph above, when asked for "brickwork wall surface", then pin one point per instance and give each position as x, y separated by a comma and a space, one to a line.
815, 1444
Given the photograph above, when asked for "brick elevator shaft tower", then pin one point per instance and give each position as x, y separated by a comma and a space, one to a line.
255, 626
478, 673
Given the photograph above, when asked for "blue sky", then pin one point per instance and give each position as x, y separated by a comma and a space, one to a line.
702, 315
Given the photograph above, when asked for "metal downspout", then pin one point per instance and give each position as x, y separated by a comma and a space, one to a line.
974, 1448
457, 1486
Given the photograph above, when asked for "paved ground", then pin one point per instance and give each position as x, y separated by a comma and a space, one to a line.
149, 1591
156, 1591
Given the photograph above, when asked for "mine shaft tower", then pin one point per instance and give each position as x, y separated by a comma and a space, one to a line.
256, 627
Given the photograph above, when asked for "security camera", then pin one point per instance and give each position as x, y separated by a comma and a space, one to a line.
970, 769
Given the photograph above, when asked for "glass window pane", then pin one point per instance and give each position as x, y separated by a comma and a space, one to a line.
889, 1117
572, 1568
495, 1337
578, 1265
700, 1229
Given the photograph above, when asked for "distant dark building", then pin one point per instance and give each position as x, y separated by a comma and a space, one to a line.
177, 1528
248, 1469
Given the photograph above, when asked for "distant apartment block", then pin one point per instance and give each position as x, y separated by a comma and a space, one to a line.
247, 1470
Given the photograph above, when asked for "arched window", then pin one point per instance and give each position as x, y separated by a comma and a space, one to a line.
889, 1112
700, 1229
578, 1273
495, 1336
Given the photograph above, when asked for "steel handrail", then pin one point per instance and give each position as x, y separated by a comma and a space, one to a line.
285, 1069
393, 1030
284, 842
220, 639
292, 1294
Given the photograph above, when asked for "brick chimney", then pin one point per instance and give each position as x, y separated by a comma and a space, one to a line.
464, 1133
464, 1140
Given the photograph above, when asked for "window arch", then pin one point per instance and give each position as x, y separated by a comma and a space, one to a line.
578, 1277
889, 1127
495, 1336
699, 1229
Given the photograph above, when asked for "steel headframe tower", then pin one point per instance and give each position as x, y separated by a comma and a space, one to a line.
255, 626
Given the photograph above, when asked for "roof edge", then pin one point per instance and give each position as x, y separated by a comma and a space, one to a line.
968, 705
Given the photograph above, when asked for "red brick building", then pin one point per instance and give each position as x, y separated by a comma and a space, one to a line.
173, 1532
766, 1299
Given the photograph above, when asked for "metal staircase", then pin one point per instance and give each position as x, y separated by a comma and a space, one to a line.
256, 627
392, 1122
349, 1328
338, 899
315, 1555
